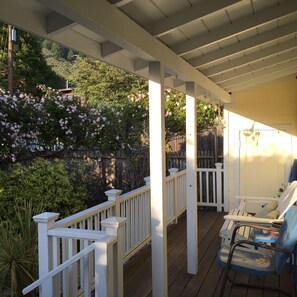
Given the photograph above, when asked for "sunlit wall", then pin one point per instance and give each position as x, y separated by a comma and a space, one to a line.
260, 139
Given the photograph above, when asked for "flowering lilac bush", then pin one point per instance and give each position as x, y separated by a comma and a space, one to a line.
58, 122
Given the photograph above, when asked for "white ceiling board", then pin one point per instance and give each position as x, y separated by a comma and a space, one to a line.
255, 66
268, 78
259, 74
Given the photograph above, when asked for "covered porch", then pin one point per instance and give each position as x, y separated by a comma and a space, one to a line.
213, 51
207, 283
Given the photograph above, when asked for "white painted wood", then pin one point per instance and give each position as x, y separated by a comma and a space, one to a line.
115, 227
268, 62
157, 170
191, 181
103, 277
57, 23
236, 27
246, 59
121, 30
108, 48
261, 80
245, 44
45, 222
193, 13
114, 196
57, 270
260, 73
219, 186
226, 160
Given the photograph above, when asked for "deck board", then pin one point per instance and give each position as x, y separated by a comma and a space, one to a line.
207, 283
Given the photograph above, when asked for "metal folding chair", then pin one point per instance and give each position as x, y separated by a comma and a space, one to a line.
268, 260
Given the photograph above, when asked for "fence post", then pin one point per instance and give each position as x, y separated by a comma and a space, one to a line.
147, 180
115, 226
45, 222
114, 195
173, 172
219, 186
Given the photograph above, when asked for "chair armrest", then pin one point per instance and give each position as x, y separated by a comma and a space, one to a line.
248, 219
255, 244
266, 227
262, 245
253, 198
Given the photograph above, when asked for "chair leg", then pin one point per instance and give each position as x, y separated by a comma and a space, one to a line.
224, 282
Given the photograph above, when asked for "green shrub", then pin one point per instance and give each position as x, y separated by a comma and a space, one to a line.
44, 183
18, 251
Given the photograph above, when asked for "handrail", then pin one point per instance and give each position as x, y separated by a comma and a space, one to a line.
134, 205
59, 269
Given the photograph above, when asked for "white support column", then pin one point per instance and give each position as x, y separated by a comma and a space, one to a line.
157, 181
226, 161
191, 181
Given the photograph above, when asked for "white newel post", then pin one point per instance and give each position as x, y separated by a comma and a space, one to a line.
114, 195
173, 172
114, 226
45, 222
147, 180
219, 186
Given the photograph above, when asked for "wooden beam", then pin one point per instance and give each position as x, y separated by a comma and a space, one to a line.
237, 27
265, 79
253, 68
119, 3
259, 74
108, 48
110, 23
56, 23
188, 15
244, 60
245, 44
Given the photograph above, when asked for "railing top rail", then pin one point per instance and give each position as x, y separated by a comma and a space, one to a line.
207, 169
77, 233
77, 217
132, 193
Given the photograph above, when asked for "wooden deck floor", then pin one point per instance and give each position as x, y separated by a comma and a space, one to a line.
207, 283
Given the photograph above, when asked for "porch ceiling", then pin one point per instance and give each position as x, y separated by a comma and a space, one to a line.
223, 46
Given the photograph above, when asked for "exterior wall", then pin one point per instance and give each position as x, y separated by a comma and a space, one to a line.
258, 165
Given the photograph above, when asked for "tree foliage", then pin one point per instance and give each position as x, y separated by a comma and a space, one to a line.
57, 122
29, 65
46, 184
100, 83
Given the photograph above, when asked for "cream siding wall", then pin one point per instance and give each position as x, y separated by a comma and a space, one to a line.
258, 167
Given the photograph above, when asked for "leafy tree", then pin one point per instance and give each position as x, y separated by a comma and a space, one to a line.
29, 66
208, 115
100, 83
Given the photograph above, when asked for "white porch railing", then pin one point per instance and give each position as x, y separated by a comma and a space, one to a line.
210, 187
66, 248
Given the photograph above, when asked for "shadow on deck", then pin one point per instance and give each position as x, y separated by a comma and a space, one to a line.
207, 283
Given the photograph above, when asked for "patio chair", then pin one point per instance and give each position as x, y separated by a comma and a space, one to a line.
271, 210
268, 260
